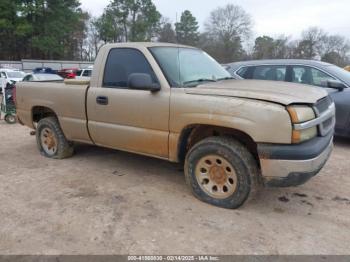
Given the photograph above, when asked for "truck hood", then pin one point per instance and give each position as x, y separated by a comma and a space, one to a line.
272, 91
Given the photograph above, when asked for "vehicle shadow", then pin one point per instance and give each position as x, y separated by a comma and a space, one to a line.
124, 162
342, 141
171, 175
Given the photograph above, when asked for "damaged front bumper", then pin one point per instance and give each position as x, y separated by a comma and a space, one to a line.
293, 165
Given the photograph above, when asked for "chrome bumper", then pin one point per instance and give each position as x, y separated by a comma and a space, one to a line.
284, 172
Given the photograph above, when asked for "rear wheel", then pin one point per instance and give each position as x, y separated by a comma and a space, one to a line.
51, 141
10, 119
221, 172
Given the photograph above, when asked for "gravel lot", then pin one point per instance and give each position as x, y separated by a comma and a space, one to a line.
104, 201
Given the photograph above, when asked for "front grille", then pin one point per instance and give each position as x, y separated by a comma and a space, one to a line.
327, 125
322, 106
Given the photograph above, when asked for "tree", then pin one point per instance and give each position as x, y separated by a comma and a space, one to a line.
45, 29
110, 27
268, 48
264, 47
129, 20
92, 42
226, 29
334, 58
336, 50
187, 29
11, 28
229, 22
166, 32
311, 44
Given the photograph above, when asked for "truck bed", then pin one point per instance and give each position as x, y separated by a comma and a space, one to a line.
67, 100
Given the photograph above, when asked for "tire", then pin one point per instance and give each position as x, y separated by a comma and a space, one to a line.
222, 172
51, 141
10, 119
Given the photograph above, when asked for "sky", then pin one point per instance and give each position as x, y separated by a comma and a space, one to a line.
270, 17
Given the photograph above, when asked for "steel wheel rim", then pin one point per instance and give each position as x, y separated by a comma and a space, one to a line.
48, 141
216, 176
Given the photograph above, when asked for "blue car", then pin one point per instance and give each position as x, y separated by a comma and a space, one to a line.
44, 70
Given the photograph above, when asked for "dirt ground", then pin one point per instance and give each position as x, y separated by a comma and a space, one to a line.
104, 201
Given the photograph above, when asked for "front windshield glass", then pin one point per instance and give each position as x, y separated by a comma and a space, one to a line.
187, 66
15, 74
340, 73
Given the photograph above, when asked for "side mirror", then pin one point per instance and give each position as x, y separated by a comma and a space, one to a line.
142, 81
336, 84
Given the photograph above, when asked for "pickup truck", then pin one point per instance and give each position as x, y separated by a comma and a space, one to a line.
177, 103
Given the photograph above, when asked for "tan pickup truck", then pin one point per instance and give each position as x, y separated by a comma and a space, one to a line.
177, 103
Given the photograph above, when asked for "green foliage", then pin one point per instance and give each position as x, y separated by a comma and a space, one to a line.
335, 58
268, 48
264, 47
59, 29
166, 32
40, 28
128, 20
187, 29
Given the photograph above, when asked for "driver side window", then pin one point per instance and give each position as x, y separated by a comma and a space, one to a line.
121, 63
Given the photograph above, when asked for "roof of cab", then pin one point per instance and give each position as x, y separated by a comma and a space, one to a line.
145, 44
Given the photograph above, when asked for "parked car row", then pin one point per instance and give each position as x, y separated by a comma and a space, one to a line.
43, 74
333, 79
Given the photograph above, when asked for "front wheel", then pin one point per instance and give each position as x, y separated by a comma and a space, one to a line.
221, 172
51, 141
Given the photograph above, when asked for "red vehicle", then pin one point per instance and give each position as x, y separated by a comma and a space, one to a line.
68, 73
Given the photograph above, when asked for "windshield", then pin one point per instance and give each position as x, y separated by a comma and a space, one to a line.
14, 74
340, 73
188, 66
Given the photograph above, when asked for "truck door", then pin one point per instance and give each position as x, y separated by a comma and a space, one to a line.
124, 118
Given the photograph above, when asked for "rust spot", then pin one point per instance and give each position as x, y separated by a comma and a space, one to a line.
218, 175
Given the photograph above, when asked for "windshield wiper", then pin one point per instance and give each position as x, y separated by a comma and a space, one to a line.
201, 80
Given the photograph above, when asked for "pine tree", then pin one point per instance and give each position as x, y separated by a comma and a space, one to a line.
187, 29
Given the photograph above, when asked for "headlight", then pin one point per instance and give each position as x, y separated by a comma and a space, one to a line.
300, 114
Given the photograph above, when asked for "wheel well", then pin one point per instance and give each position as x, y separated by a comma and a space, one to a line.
40, 112
194, 134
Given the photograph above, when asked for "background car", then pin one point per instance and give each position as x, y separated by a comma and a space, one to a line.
12, 74
84, 74
68, 73
333, 78
42, 78
44, 70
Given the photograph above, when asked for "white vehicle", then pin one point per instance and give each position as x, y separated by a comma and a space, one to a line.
84, 74
42, 78
11, 74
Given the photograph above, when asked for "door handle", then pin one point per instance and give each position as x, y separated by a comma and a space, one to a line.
102, 100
